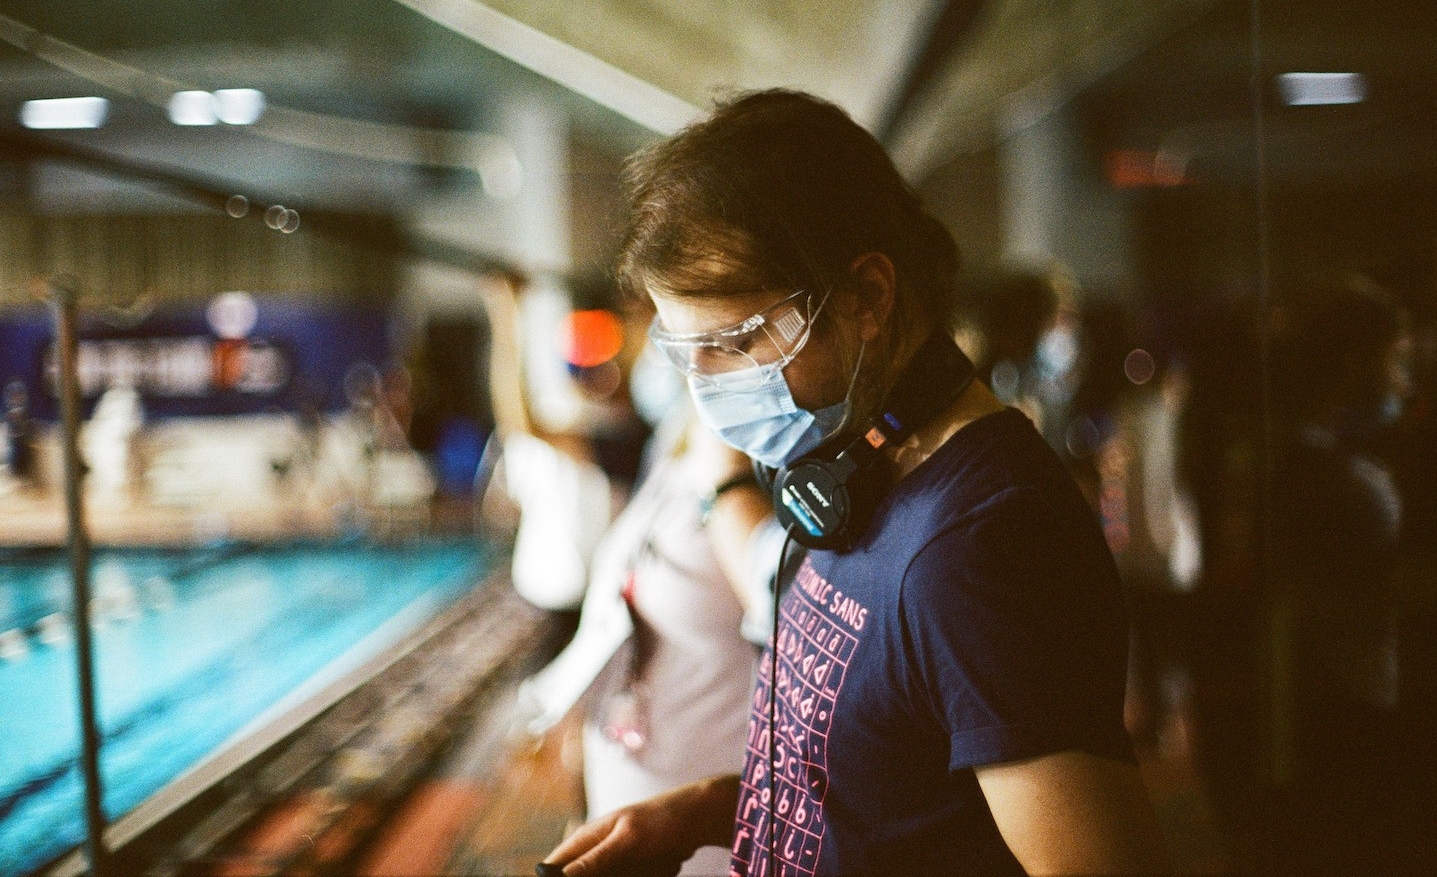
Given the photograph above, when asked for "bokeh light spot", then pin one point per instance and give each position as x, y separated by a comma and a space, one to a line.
591, 338
1140, 366
237, 206
232, 315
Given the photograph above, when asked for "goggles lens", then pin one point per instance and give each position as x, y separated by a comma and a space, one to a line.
770, 338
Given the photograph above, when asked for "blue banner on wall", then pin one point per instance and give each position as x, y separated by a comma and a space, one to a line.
234, 355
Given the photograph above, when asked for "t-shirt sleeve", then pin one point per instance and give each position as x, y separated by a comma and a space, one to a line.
1015, 634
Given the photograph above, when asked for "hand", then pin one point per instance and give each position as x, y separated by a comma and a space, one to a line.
654, 837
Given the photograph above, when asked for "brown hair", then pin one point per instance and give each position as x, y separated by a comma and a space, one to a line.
781, 190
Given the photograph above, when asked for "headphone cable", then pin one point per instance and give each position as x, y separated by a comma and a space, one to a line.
773, 705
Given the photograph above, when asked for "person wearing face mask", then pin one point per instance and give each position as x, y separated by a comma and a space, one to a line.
658, 672
943, 691
1343, 373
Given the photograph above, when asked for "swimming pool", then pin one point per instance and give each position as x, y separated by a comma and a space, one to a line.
190, 646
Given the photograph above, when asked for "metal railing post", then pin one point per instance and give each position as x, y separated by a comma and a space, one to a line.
66, 315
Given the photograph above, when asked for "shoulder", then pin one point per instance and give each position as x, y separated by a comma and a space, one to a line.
993, 485
1018, 540
1000, 520
984, 457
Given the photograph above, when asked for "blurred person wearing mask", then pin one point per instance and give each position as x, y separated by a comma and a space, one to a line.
20, 436
1337, 516
948, 697
1008, 315
658, 666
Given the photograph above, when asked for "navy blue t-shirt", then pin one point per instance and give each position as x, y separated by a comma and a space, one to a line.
979, 620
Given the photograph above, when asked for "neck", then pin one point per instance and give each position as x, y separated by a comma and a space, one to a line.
975, 402
887, 363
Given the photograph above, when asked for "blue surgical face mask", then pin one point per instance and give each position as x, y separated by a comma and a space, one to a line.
762, 420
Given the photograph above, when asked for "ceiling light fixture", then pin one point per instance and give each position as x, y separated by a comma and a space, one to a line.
240, 106
233, 106
1321, 89
64, 113
194, 108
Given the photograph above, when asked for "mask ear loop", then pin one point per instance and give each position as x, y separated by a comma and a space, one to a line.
848, 397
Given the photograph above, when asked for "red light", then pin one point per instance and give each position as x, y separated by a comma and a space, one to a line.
1141, 169
592, 338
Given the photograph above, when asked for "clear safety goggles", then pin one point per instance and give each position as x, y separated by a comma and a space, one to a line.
764, 343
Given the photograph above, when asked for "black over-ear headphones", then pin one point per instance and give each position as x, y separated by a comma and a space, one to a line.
824, 498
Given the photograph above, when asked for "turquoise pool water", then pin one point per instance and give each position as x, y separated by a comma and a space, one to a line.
190, 647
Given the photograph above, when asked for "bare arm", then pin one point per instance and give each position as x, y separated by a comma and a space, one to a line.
1073, 813
735, 514
654, 836
499, 298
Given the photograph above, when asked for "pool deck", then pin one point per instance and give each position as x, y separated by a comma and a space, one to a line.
31, 519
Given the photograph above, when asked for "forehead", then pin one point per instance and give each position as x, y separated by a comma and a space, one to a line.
688, 315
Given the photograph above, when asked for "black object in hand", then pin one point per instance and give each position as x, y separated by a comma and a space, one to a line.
547, 869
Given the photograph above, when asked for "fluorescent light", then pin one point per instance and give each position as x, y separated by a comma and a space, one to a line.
64, 112
1321, 89
240, 106
194, 108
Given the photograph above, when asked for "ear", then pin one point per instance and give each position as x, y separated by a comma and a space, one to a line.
877, 284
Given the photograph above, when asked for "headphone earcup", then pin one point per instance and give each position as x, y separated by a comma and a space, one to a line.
811, 502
